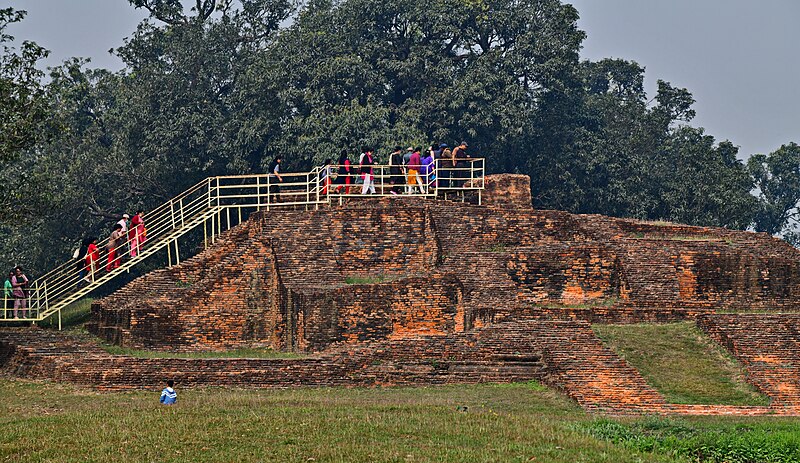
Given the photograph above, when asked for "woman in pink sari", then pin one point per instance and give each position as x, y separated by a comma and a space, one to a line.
136, 234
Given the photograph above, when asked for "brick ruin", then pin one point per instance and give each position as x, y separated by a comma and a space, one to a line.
397, 291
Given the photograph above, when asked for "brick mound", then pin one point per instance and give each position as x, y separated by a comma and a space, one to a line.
767, 345
563, 354
406, 291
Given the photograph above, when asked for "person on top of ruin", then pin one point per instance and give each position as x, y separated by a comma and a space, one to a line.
459, 160
168, 395
445, 165
407, 156
426, 168
396, 170
326, 175
414, 166
343, 177
275, 179
367, 172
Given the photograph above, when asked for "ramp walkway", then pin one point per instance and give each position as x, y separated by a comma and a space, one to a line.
218, 203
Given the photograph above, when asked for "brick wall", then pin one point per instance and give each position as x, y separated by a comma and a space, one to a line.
769, 347
280, 279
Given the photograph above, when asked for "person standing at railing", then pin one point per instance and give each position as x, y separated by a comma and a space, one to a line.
114, 244
343, 178
7, 294
445, 165
414, 167
427, 167
136, 233
18, 284
396, 170
275, 179
460, 163
325, 176
366, 162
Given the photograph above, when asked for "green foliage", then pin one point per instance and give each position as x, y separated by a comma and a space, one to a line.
777, 179
704, 441
224, 86
73, 315
23, 113
682, 363
365, 279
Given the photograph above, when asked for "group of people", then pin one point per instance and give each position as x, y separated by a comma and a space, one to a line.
410, 172
127, 237
15, 291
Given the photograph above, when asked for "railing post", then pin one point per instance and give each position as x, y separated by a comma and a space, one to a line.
172, 213
180, 205
177, 253
269, 191
47, 302
208, 187
258, 193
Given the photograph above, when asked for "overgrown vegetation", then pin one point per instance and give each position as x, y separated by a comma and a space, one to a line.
497, 423
682, 363
717, 440
72, 315
366, 279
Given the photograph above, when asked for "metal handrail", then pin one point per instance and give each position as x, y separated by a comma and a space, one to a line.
205, 202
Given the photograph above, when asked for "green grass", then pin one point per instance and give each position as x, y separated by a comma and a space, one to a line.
607, 302
72, 315
44, 422
365, 280
709, 439
682, 363
236, 353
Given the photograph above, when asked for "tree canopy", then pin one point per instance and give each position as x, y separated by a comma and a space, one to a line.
222, 87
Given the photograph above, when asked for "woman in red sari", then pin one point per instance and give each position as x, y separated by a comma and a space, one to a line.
136, 233
91, 259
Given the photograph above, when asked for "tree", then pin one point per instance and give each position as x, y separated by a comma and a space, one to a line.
777, 183
23, 112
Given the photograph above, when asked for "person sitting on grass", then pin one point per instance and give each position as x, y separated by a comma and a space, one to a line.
168, 395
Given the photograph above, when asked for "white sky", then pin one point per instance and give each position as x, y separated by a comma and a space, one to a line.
739, 58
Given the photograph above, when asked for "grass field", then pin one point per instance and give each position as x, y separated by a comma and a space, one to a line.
682, 363
487, 423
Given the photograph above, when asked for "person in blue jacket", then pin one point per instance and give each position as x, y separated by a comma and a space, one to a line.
168, 395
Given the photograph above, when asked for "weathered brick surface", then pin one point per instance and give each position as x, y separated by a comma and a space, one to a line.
279, 279
768, 346
445, 292
564, 354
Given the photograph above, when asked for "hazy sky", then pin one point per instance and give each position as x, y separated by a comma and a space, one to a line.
739, 58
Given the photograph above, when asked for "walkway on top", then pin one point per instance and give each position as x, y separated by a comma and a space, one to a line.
210, 203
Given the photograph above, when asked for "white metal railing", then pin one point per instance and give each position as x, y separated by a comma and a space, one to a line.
218, 203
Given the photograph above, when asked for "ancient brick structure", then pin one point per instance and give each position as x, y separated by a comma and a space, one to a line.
409, 291
768, 346
390, 268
